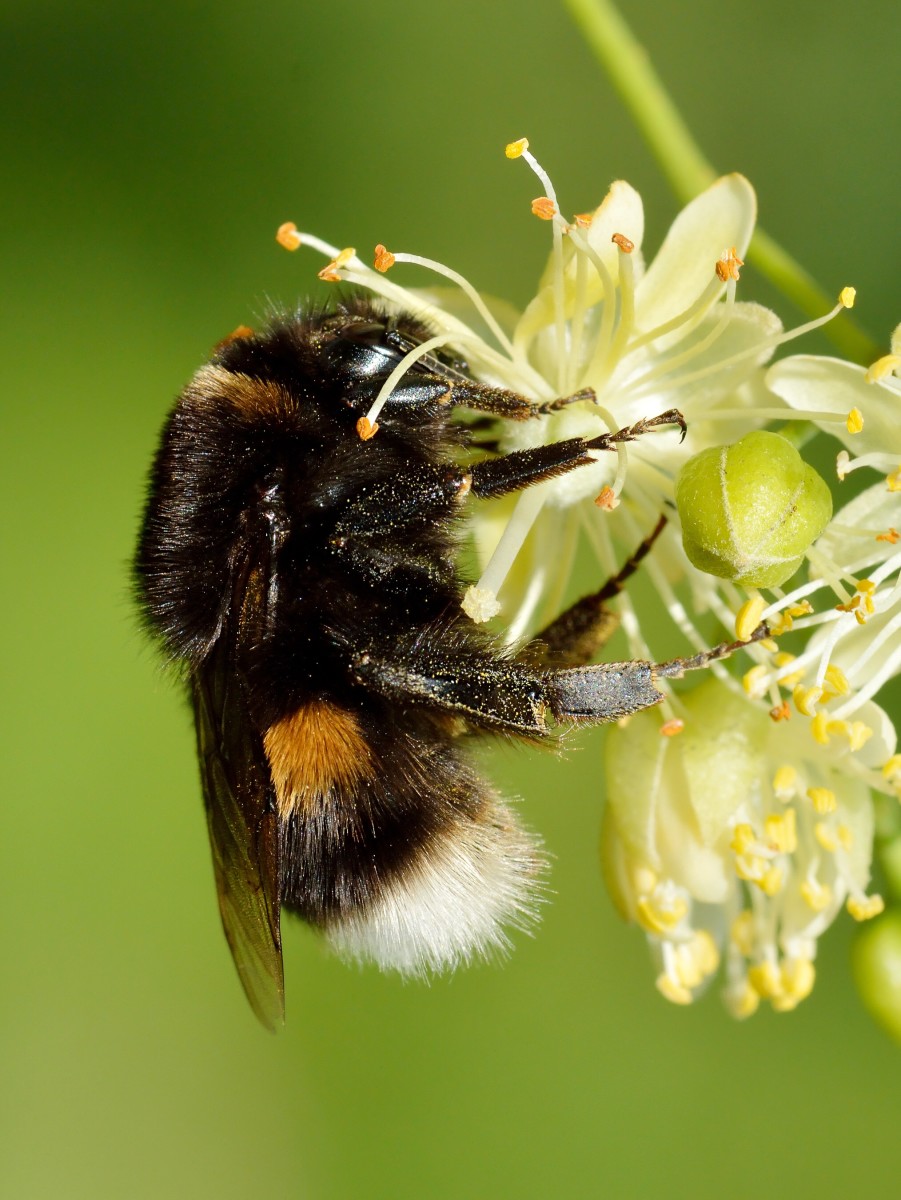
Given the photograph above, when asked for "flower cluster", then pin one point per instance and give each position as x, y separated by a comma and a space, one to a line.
739, 817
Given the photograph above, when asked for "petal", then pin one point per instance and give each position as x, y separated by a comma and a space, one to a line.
877, 509
807, 382
634, 760
621, 211
715, 221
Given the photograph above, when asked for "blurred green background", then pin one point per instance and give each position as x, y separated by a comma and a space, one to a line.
150, 151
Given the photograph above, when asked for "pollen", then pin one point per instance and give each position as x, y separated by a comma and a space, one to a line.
785, 782
893, 481
583, 220
480, 604
330, 272
544, 208
806, 699
672, 990
728, 266
882, 367
838, 680
782, 831
384, 260
755, 681
515, 149
864, 908
661, 916
817, 896
823, 800
672, 727
781, 712
607, 499
625, 244
366, 429
287, 235
766, 979
855, 421
847, 296
891, 536
891, 770
748, 617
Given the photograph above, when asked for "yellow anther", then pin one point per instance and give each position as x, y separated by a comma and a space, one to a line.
798, 977
838, 679
823, 800
766, 980
819, 727
864, 908
687, 968
781, 624
660, 917
743, 838
384, 259
847, 296
625, 244
817, 895
806, 699
825, 835
544, 208
803, 609
515, 149
771, 882
750, 867
855, 421
785, 782
782, 831
673, 991
287, 236
892, 536
741, 935
893, 481
783, 659
755, 681
882, 367
748, 617
858, 733
742, 1000
891, 770
331, 272
845, 836
706, 954
727, 266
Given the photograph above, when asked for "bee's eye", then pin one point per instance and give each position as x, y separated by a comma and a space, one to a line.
363, 348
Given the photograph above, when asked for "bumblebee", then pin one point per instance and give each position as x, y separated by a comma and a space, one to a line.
305, 580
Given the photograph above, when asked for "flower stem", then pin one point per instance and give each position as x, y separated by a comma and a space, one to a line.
641, 89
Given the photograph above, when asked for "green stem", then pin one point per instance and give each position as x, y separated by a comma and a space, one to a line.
641, 89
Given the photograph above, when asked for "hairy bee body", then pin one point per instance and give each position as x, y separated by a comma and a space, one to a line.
306, 581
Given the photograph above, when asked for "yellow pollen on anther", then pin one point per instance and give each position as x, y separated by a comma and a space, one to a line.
806, 699
748, 617
755, 681
893, 481
864, 908
784, 782
768, 644
783, 659
823, 800
847, 296
727, 267
837, 679
817, 896
855, 421
819, 727
287, 236
742, 1000
798, 977
891, 536
741, 934
583, 220
673, 991
766, 979
825, 835
672, 727
625, 244
771, 881
384, 260
878, 370
891, 770
782, 831
330, 272
515, 149
858, 733
743, 838
660, 918
705, 952
544, 208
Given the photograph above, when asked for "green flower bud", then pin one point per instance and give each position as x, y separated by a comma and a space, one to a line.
749, 511
877, 970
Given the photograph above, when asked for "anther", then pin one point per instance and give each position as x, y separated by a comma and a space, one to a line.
384, 260
847, 296
607, 499
748, 617
625, 244
780, 712
671, 728
367, 429
728, 266
855, 421
891, 536
544, 208
288, 236
878, 370
823, 800
515, 149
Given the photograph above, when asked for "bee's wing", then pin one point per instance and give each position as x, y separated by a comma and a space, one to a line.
243, 827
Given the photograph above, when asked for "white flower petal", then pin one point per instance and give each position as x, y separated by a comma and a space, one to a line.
715, 221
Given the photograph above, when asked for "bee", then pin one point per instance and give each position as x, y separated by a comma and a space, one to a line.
305, 581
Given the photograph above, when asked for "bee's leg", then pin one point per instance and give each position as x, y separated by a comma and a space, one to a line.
453, 389
576, 636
